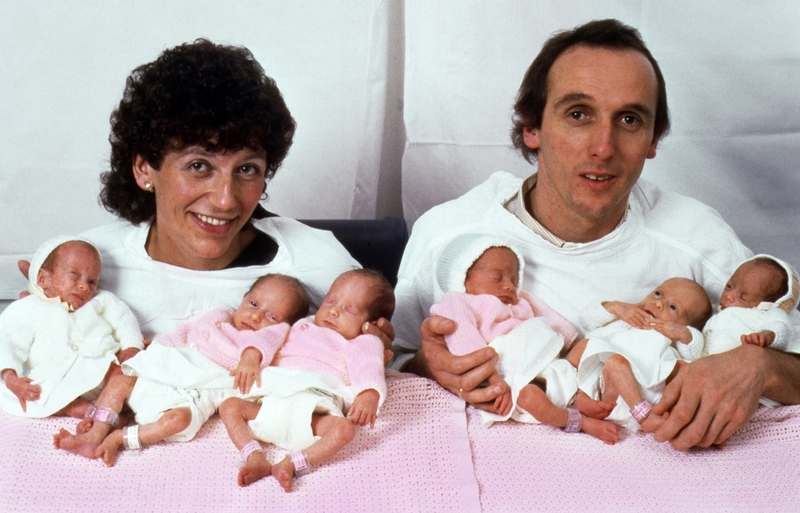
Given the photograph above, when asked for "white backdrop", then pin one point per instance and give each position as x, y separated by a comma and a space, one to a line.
390, 92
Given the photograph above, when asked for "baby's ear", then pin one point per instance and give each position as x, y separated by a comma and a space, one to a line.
43, 278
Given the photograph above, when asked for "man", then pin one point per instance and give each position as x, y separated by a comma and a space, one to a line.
591, 109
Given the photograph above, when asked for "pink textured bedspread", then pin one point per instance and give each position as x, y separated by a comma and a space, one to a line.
426, 453
540, 468
416, 459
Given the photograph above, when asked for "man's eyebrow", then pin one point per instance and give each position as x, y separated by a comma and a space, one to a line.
571, 98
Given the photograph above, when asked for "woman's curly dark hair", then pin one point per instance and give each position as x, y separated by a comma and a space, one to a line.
199, 93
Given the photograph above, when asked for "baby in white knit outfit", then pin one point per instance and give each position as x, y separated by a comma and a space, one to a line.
632, 350
755, 308
62, 342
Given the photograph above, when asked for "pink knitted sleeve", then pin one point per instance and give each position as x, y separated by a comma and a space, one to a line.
267, 340
467, 336
365, 365
179, 337
559, 324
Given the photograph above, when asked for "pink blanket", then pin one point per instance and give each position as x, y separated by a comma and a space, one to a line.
425, 454
524, 467
416, 458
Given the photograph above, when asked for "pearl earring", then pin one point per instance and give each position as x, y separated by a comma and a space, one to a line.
148, 187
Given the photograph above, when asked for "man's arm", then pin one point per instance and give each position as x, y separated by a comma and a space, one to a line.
714, 396
460, 375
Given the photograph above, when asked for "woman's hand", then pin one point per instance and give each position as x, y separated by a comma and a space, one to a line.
364, 409
248, 372
460, 375
382, 329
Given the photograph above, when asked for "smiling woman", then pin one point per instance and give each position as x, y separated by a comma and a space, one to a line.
198, 134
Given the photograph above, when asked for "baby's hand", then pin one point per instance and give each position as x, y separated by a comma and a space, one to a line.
364, 408
761, 338
22, 388
629, 313
503, 402
672, 330
127, 354
248, 371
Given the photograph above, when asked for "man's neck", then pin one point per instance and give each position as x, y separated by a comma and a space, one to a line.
564, 223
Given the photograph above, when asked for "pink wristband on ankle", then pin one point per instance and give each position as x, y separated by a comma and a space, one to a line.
641, 411
300, 462
574, 421
104, 415
249, 448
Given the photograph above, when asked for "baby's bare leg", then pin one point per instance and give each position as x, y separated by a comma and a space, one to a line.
534, 400
76, 409
576, 352
171, 423
619, 381
112, 397
235, 414
334, 432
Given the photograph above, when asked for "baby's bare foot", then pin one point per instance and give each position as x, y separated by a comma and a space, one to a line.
255, 468
592, 407
109, 448
651, 423
602, 429
283, 472
84, 426
84, 445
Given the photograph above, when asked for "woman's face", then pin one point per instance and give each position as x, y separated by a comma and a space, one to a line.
203, 202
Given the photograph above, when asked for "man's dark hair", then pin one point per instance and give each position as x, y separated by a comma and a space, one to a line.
214, 96
532, 95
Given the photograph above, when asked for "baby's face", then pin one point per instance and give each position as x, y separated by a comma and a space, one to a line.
676, 300
345, 308
271, 301
75, 274
750, 285
496, 272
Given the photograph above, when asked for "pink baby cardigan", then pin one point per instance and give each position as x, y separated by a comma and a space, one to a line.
212, 334
357, 362
482, 318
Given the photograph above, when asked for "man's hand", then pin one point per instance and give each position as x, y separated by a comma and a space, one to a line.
672, 330
710, 398
22, 388
760, 339
364, 409
24, 266
629, 313
382, 329
248, 371
127, 354
460, 375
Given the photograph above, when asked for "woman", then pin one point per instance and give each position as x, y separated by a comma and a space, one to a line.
196, 137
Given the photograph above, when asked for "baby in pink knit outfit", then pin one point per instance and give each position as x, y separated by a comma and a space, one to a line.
177, 383
488, 308
325, 363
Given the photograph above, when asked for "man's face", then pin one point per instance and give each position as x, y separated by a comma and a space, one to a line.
597, 131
